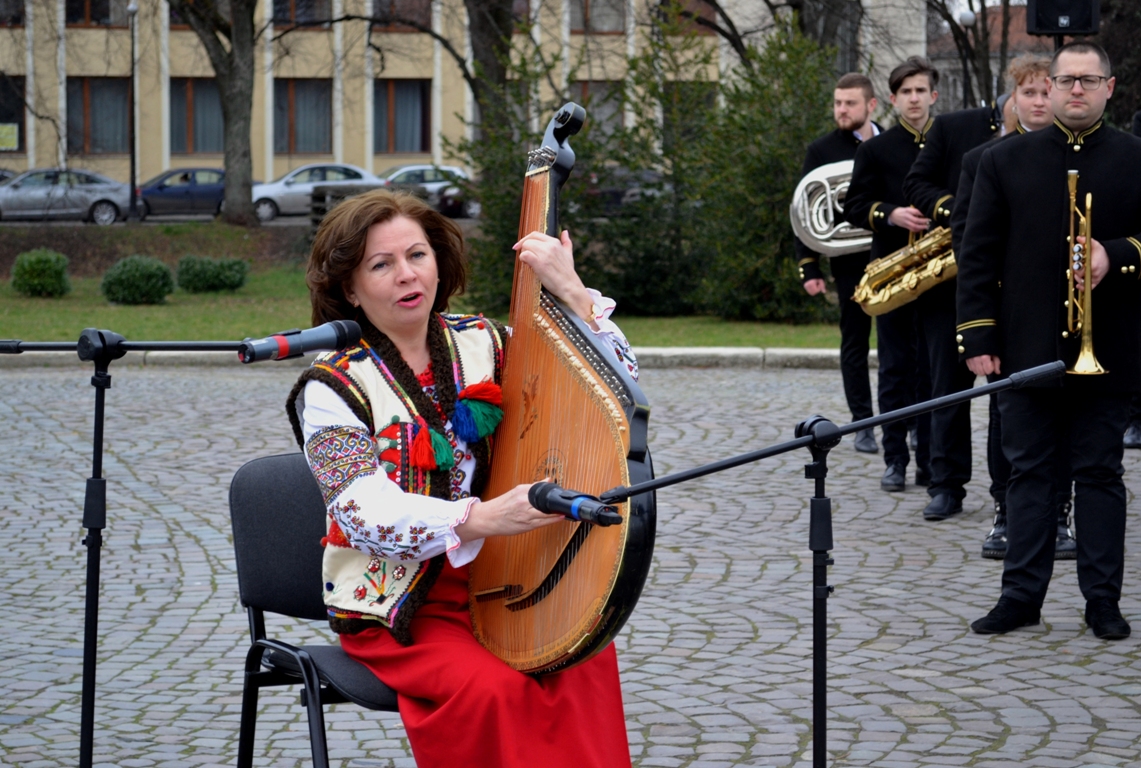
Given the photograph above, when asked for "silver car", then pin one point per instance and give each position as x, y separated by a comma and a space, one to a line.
52, 193
434, 183
290, 195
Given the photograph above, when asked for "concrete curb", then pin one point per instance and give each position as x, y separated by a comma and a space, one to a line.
648, 357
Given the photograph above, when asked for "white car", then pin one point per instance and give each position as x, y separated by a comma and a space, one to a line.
436, 184
54, 193
292, 193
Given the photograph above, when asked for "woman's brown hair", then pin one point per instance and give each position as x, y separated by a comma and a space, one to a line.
339, 245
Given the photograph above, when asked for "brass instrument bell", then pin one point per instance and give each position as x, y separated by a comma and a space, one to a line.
1080, 309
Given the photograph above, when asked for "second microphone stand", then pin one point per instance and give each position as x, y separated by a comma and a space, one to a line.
819, 436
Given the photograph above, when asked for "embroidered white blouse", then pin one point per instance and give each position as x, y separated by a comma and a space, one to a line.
381, 502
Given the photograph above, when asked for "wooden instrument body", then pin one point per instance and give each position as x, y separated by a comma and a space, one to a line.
551, 598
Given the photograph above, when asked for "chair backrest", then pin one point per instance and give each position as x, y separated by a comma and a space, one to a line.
278, 519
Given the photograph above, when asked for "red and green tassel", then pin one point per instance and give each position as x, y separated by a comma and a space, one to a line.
430, 450
478, 411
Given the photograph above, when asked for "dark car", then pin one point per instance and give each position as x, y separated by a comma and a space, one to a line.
184, 191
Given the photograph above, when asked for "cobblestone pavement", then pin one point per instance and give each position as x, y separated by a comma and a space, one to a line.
715, 662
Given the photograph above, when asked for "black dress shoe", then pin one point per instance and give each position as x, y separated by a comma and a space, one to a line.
1009, 614
866, 441
1133, 435
894, 478
923, 476
942, 506
1105, 619
1066, 546
994, 546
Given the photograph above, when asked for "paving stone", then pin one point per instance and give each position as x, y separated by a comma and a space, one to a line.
716, 660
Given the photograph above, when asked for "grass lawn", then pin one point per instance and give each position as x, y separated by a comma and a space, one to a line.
276, 299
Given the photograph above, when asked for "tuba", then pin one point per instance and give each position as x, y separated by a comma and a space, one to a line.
550, 598
1080, 310
901, 277
818, 198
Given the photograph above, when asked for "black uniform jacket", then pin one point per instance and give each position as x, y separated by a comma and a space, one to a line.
931, 184
966, 183
877, 184
1012, 262
833, 147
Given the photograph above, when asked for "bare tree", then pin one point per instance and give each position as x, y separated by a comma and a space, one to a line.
973, 40
229, 35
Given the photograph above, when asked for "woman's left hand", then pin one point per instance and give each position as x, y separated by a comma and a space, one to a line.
553, 262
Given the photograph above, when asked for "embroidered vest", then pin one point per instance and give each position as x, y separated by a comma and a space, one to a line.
361, 590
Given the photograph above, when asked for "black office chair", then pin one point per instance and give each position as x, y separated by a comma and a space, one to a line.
278, 518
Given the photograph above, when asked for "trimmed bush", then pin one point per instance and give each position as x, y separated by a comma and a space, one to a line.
197, 274
138, 280
41, 272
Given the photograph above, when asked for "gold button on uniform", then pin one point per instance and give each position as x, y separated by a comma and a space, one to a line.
1077, 148
962, 349
1125, 270
1132, 268
959, 338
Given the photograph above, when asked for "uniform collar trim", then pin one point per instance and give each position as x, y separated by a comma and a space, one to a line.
920, 136
1077, 138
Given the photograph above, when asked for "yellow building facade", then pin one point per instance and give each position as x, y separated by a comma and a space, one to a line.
342, 92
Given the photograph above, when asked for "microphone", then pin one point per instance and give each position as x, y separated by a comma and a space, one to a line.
550, 498
294, 343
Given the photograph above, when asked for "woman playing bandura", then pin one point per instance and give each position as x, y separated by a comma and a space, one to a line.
398, 433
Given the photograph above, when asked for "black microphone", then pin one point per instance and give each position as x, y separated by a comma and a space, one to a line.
287, 344
550, 498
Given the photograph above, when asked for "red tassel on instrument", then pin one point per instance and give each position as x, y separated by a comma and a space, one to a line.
485, 391
421, 453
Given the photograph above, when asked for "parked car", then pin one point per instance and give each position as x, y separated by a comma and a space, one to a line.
290, 195
436, 184
52, 193
183, 190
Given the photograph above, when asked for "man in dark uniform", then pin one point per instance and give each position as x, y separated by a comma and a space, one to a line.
876, 201
1133, 431
1013, 285
1031, 111
853, 102
930, 187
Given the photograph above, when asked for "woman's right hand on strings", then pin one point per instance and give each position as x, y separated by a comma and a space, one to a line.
504, 515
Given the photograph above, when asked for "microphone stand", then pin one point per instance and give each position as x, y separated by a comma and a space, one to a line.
101, 348
819, 436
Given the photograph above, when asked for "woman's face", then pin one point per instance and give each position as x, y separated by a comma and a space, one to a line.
1032, 103
395, 283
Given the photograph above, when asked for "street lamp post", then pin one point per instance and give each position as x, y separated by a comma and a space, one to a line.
133, 208
966, 19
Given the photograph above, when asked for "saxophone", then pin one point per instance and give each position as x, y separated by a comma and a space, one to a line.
901, 277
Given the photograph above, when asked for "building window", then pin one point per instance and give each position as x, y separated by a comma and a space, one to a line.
598, 15
302, 117
11, 13
11, 114
223, 7
309, 12
195, 116
388, 14
93, 13
601, 100
98, 111
401, 116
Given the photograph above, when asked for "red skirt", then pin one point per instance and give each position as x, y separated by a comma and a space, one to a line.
461, 705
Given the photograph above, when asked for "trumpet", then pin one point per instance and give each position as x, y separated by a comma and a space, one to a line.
1080, 309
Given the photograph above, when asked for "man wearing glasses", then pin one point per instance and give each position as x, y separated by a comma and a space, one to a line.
1012, 289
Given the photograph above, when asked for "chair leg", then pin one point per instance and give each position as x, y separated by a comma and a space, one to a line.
315, 711
249, 717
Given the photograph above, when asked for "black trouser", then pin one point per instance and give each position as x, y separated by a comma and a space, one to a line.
996, 462
1086, 426
950, 427
855, 334
902, 382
